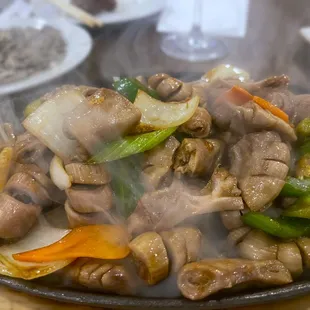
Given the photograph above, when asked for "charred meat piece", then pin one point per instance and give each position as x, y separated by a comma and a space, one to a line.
150, 256
199, 125
260, 161
28, 149
199, 280
88, 174
87, 199
25, 188
258, 246
290, 256
103, 117
183, 245
16, 217
157, 164
165, 208
197, 157
101, 275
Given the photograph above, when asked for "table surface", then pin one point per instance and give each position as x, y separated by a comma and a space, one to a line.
272, 45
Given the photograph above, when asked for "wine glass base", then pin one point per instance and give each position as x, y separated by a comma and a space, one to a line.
193, 49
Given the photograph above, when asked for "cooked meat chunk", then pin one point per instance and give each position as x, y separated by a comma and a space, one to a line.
199, 125
77, 219
104, 116
198, 280
101, 275
25, 188
231, 219
260, 161
38, 174
169, 88
165, 208
150, 256
28, 148
172, 89
16, 217
235, 236
197, 157
157, 164
301, 104
304, 246
87, 199
88, 174
258, 246
247, 118
183, 246
290, 256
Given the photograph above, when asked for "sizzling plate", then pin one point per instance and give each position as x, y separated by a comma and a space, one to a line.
111, 301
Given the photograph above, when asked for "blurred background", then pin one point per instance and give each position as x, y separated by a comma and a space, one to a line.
142, 37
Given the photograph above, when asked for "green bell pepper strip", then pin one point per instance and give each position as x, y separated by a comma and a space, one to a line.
128, 87
303, 129
304, 149
301, 208
295, 187
285, 228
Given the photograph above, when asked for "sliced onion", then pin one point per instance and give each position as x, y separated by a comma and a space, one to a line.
6, 156
46, 123
225, 72
41, 235
59, 175
162, 115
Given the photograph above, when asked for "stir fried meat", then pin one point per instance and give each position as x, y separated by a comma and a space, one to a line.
103, 117
198, 280
136, 172
197, 157
157, 164
260, 161
168, 207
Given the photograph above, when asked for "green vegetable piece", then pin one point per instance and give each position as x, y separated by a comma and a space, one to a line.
303, 167
304, 148
301, 208
295, 187
129, 87
303, 129
32, 106
131, 145
285, 228
126, 184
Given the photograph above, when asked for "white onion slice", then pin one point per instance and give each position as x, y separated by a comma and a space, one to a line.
46, 123
162, 115
225, 72
59, 175
41, 235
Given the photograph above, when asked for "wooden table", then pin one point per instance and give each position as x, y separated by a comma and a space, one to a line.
272, 46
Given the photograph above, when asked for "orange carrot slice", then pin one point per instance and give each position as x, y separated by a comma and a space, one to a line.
239, 95
96, 241
271, 108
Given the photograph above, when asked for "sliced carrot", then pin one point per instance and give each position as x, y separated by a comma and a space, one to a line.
96, 241
240, 94
271, 108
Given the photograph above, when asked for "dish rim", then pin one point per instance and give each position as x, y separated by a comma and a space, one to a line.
290, 291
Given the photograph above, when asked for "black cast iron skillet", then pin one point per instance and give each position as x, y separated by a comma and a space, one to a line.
111, 301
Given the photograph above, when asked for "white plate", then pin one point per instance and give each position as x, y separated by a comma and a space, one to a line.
79, 44
128, 10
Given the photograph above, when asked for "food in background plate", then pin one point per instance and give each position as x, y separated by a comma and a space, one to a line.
27, 51
139, 171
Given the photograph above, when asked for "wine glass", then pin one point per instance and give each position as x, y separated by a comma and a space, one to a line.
194, 46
